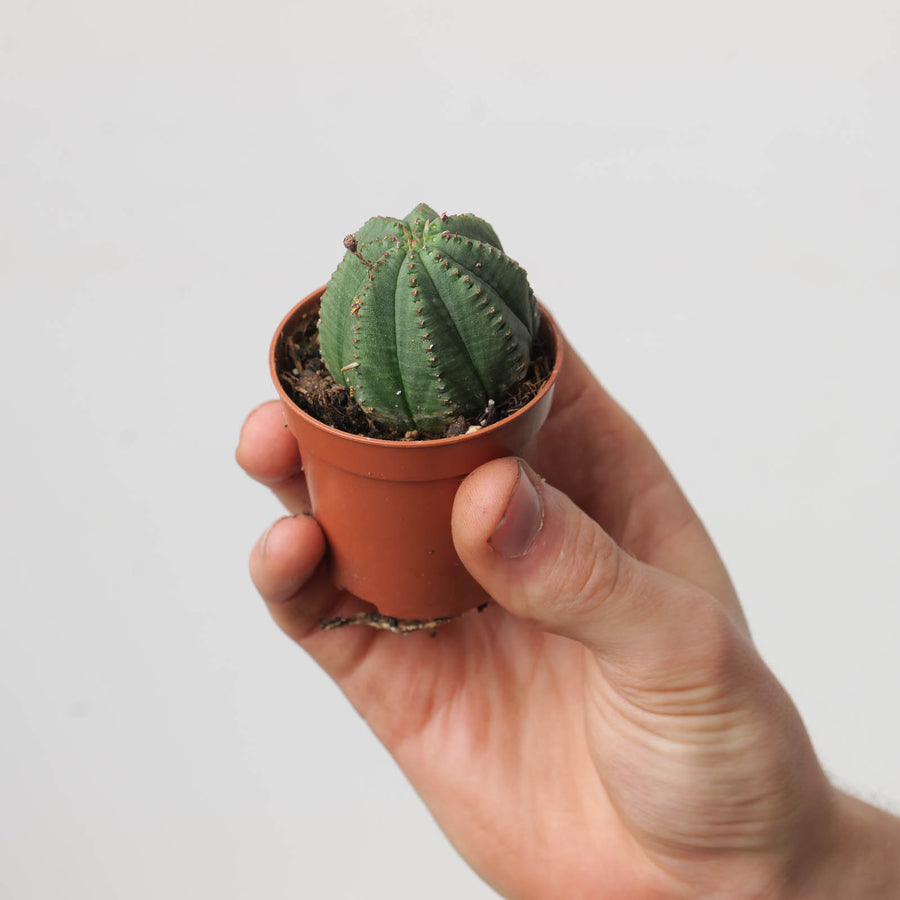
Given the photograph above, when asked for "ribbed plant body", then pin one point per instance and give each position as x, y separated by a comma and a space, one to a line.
426, 319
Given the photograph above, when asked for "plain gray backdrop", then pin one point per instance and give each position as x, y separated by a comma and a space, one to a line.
706, 195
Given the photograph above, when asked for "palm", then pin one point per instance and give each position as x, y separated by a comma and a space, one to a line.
456, 713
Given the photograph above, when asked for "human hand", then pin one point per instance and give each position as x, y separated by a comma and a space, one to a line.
606, 729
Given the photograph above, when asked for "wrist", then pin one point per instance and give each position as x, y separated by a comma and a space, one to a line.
857, 855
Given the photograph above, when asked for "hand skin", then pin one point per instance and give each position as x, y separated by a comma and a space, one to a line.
606, 728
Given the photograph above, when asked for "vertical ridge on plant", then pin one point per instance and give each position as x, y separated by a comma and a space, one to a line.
426, 319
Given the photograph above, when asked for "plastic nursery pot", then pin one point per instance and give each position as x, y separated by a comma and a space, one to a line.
385, 505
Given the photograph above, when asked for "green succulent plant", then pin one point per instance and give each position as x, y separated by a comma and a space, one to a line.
426, 319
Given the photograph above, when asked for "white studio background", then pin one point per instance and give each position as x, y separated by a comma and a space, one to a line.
707, 196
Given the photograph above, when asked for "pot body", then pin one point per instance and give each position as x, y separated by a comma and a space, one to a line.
385, 506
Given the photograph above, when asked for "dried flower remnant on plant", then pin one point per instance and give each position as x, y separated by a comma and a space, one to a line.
426, 319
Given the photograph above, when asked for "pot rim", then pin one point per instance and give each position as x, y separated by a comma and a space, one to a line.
407, 446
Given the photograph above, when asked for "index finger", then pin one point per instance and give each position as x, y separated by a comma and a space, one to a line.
268, 453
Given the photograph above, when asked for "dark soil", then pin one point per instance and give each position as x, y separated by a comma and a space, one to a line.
310, 385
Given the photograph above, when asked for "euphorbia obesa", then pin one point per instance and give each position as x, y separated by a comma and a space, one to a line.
426, 319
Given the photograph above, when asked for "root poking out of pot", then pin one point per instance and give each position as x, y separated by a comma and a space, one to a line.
391, 623
310, 385
387, 623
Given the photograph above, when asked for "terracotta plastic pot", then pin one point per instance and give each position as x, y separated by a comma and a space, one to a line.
385, 505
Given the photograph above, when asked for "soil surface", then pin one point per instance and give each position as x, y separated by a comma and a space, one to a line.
310, 385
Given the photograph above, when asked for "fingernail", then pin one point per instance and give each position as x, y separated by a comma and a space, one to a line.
521, 522
268, 531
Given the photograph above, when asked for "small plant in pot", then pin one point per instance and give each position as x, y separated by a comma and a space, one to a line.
425, 356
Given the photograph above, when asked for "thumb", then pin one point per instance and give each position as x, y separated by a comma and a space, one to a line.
543, 559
